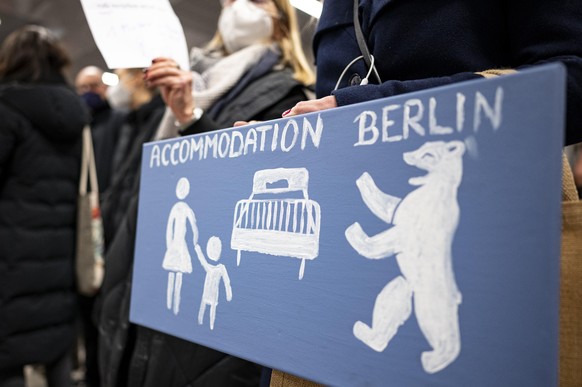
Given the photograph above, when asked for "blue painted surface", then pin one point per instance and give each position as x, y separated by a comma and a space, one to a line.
505, 251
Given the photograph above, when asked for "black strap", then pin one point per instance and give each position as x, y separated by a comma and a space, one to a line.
360, 39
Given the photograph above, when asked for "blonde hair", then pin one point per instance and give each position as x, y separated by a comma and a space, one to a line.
287, 37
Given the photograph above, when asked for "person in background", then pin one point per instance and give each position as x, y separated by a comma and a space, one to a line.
422, 44
106, 125
41, 121
144, 108
253, 69
106, 121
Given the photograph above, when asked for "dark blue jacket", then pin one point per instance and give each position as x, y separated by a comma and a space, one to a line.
428, 43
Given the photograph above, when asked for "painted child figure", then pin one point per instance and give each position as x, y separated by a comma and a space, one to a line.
214, 273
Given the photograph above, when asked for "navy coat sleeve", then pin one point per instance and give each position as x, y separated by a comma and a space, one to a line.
421, 44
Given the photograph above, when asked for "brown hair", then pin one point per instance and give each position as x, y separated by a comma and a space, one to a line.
287, 36
32, 54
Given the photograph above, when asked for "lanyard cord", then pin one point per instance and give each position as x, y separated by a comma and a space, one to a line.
365, 80
368, 59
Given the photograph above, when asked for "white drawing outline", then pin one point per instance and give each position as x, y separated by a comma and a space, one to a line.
281, 226
424, 225
177, 258
214, 273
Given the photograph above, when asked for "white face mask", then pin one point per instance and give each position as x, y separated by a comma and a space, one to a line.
118, 96
242, 24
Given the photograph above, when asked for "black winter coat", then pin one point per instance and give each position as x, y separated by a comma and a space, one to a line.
105, 129
40, 147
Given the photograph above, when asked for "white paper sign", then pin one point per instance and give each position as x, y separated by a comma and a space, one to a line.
130, 33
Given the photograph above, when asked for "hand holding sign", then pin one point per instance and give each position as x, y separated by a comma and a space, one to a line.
315, 105
175, 86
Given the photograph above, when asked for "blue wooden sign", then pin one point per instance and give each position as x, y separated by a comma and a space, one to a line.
409, 241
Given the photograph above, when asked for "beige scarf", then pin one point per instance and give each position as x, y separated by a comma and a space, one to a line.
214, 82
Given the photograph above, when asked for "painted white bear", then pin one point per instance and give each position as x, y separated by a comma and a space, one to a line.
424, 222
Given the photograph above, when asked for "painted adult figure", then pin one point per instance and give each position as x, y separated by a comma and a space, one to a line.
177, 259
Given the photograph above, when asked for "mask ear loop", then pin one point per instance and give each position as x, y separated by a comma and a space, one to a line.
365, 80
346, 69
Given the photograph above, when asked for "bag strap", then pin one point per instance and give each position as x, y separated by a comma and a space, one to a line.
362, 42
569, 190
88, 167
491, 73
